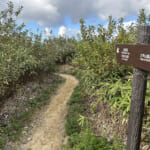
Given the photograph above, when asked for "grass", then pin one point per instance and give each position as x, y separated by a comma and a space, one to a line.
17, 123
76, 107
86, 140
80, 134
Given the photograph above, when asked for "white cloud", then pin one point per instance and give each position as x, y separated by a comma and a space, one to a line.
128, 23
69, 32
46, 12
41, 11
62, 31
47, 32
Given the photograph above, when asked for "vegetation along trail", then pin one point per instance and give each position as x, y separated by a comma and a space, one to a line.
50, 134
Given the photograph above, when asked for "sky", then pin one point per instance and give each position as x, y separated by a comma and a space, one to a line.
62, 16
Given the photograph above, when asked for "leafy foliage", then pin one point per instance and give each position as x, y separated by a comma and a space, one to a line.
76, 107
23, 53
77, 127
88, 141
65, 49
102, 76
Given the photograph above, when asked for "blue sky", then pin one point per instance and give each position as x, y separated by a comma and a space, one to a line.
62, 16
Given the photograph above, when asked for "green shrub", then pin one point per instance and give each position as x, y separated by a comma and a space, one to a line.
88, 141
81, 136
23, 53
75, 108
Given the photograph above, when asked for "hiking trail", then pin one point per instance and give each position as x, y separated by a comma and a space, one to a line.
49, 135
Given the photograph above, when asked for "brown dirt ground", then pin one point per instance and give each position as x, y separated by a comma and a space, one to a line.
49, 135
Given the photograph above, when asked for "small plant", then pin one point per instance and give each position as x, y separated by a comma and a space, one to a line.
86, 140
93, 108
81, 121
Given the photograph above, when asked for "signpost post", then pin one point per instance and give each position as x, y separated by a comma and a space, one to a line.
137, 56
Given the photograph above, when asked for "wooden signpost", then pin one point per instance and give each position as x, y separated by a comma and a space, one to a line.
134, 55
137, 56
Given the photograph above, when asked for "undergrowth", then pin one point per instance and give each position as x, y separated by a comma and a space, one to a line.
81, 135
14, 130
102, 76
76, 107
86, 140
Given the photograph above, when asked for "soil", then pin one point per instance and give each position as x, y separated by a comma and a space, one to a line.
107, 123
17, 103
48, 132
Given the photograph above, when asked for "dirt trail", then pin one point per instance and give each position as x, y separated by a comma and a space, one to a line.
50, 134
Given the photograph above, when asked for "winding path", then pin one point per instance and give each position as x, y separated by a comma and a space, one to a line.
50, 134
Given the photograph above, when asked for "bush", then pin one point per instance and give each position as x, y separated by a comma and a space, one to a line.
23, 53
88, 141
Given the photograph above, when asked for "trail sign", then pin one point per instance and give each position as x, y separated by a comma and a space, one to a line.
134, 55
138, 56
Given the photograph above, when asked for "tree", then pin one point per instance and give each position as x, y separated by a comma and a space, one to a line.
142, 17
